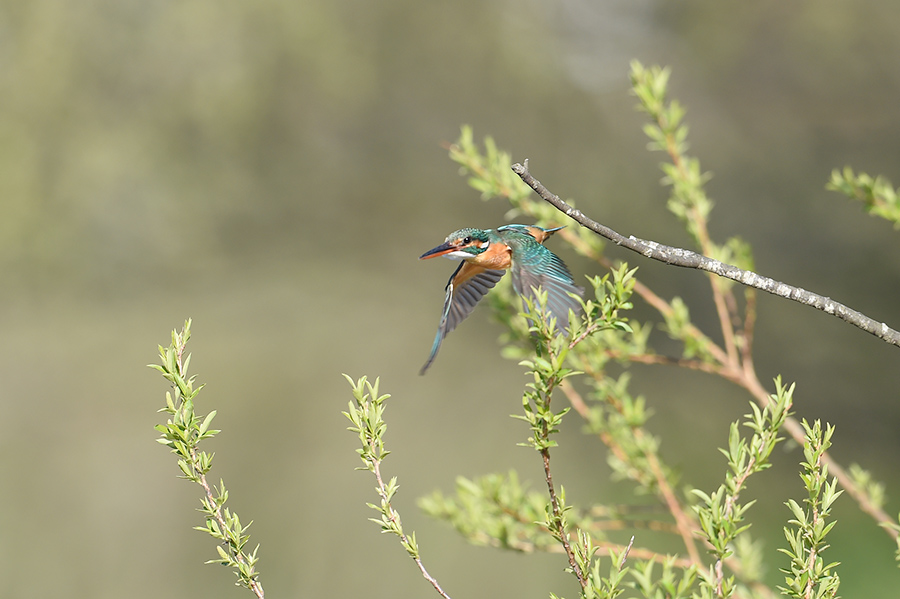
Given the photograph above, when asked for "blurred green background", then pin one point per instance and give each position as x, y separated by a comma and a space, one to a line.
273, 169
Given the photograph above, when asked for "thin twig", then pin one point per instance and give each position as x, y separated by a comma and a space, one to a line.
689, 259
720, 299
637, 552
626, 552
557, 520
238, 556
584, 411
382, 491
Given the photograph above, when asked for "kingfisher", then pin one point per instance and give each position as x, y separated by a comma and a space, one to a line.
486, 255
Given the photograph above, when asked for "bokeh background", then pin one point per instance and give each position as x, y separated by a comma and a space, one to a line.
273, 169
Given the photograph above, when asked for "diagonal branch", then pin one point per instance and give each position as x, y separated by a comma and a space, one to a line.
743, 375
689, 259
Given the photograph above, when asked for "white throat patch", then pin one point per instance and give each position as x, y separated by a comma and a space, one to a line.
458, 255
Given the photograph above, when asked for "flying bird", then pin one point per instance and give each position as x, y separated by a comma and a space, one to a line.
485, 255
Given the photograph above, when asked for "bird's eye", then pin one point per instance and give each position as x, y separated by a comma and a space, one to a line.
467, 241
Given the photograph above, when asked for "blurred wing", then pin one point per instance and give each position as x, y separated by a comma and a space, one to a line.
465, 289
549, 273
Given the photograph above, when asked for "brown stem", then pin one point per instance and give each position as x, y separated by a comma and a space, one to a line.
638, 552
683, 523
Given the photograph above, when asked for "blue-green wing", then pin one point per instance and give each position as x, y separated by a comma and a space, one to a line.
546, 270
462, 294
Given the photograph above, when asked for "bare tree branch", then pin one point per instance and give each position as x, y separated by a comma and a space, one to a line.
689, 259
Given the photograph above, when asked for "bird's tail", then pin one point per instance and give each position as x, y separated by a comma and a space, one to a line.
438, 339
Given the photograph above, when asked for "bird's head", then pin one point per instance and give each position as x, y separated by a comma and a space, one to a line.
461, 245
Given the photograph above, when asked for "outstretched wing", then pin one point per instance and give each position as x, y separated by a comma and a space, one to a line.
465, 289
547, 271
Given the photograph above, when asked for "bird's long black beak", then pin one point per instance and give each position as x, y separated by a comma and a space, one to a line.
441, 250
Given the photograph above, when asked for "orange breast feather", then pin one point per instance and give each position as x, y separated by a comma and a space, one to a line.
496, 257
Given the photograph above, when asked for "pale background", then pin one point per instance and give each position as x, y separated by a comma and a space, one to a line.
273, 169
